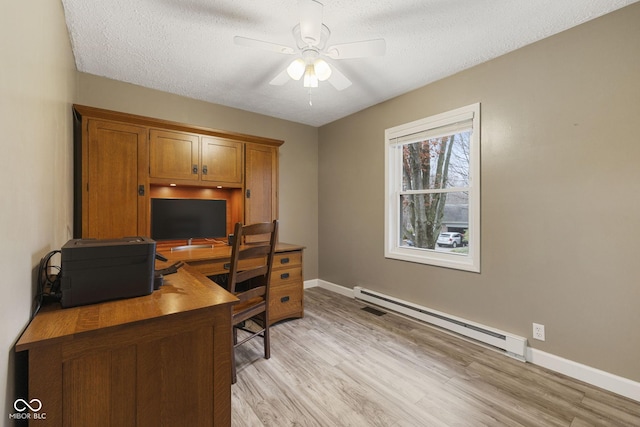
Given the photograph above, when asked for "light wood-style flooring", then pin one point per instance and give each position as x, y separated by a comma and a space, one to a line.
343, 366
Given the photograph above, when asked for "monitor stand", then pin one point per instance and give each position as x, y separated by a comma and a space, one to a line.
190, 246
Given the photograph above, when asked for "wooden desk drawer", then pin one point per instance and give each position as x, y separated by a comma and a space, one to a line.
219, 266
286, 276
210, 267
285, 302
287, 259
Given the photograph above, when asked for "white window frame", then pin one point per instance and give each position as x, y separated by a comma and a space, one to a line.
393, 186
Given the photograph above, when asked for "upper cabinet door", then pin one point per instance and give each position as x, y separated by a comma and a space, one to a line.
222, 160
261, 183
114, 203
173, 155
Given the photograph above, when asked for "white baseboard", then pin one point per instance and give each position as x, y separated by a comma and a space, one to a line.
347, 292
310, 283
596, 377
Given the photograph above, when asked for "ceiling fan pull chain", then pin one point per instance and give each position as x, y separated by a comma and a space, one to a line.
310, 103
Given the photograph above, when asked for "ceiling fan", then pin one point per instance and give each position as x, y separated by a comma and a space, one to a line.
311, 37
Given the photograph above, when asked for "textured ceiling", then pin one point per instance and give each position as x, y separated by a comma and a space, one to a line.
186, 47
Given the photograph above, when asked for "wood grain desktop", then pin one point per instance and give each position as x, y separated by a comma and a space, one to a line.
157, 360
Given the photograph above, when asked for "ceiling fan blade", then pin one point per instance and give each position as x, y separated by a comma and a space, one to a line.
259, 44
361, 49
310, 21
338, 80
280, 79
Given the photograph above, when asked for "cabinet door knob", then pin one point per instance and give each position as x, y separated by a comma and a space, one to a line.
204, 170
140, 190
194, 169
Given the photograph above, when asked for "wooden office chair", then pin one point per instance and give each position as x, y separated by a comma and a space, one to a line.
249, 278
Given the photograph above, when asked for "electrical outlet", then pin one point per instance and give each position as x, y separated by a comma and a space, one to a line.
538, 331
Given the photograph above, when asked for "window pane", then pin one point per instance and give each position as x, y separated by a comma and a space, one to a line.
436, 163
425, 217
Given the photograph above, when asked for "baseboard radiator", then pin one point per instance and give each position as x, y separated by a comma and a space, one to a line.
513, 345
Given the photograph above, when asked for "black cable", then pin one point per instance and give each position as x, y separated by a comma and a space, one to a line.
48, 285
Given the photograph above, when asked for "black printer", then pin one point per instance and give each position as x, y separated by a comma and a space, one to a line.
95, 270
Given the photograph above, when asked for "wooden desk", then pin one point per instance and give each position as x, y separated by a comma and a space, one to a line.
158, 360
287, 289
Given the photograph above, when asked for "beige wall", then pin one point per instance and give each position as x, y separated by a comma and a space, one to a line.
298, 209
37, 87
560, 197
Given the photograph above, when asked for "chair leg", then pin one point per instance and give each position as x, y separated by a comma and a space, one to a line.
267, 341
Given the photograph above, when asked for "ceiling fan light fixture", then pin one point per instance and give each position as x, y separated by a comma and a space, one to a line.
311, 36
322, 69
310, 77
296, 69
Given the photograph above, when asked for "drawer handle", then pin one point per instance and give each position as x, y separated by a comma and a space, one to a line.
284, 260
284, 276
284, 299
227, 266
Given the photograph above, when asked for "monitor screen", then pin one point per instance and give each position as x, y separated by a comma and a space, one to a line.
173, 219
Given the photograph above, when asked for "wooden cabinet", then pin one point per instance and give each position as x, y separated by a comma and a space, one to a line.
261, 185
222, 160
287, 291
119, 156
174, 155
185, 156
113, 195
157, 360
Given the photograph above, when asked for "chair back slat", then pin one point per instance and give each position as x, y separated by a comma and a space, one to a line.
251, 273
251, 293
257, 228
259, 251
